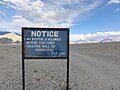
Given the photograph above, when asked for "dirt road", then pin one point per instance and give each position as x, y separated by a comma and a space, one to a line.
99, 73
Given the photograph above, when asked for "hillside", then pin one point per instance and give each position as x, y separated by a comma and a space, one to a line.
12, 36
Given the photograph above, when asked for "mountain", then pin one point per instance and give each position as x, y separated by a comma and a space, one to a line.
92, 41
80, 41
3, 33
18, 34
115, 38
14, 37
106, 40
5, 41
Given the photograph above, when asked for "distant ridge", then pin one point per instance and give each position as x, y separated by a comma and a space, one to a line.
16, 38
13, 36
98, 40
107, 40
18, 34
4, 32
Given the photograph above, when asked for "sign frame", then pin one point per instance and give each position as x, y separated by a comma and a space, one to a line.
23, 52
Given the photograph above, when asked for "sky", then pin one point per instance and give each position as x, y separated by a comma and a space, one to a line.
83, 17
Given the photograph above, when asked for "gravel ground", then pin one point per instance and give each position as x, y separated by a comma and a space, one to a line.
92, 67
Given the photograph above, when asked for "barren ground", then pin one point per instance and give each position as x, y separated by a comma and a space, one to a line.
92, 67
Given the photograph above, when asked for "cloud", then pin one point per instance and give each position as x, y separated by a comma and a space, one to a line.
16, 24
48, 13
2, 13
117, 9
75, 37
113, 1
8, 26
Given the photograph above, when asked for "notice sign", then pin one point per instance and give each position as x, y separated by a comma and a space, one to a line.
45, 42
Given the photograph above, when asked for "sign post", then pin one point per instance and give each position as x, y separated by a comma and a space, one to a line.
45, 43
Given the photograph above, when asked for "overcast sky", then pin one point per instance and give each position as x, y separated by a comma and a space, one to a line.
81, 16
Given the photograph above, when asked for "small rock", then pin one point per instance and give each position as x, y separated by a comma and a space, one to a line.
38, 79
35, 71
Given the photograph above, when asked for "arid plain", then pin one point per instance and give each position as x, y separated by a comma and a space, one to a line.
92, 67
